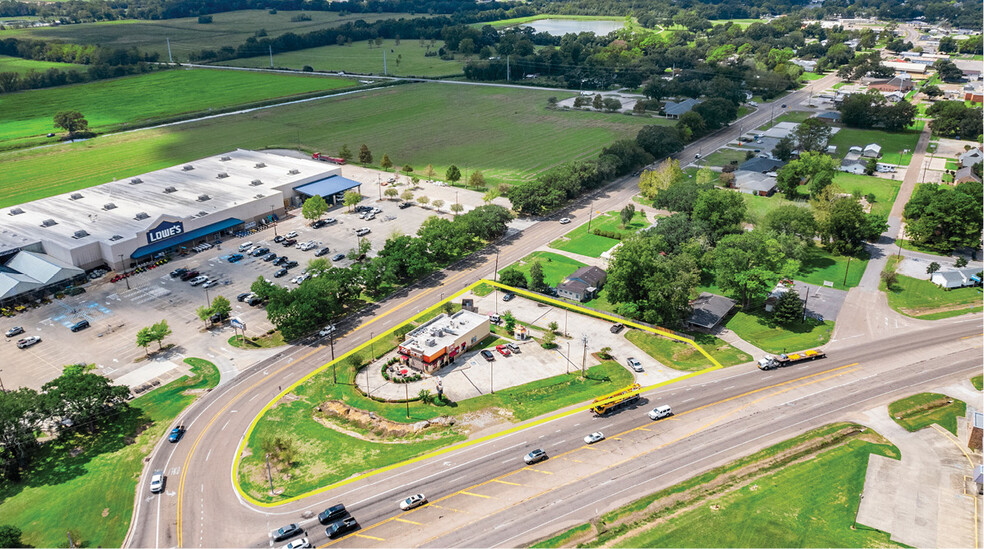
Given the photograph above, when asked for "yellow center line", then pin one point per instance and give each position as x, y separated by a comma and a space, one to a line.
476, 495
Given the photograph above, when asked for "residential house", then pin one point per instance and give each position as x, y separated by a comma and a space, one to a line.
957, 278
806, 65
855, 149
755, 183
761, 165
972, 75
674, 109
829, 117
872, 150
853, 163
831, 149
901, 82
780, 289
894, 97
964, 175
583, 284
709, 310
971, 157
780, 130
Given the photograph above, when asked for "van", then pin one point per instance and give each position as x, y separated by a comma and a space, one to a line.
245, 246
660, 412
332, 514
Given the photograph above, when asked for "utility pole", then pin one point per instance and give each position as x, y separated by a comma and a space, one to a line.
331, 341
406, 386
271, 55
384, 63
169, 58
584, 354
269, 474
590, 214
849, 268
507, 68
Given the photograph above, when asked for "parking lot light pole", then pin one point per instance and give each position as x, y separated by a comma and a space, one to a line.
208, 301
125, 279
584, 355
331, 340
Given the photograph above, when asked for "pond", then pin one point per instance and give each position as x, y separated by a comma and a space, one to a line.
560, 27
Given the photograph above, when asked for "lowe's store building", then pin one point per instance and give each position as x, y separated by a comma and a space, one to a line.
53, 241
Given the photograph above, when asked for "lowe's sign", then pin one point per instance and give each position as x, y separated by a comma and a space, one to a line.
165, 230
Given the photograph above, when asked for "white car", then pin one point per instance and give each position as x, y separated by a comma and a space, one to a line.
594, 437
245, 246
564, 220
327, 330
412, 502
157, 482
210, 284
302, 543
198, 280
297, 279
292, 234
362, 232
330, 220
307, 246
634, 364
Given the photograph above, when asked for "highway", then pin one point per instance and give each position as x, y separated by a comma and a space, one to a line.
200, 507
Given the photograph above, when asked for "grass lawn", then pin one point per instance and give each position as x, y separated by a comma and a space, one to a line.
583, 241
91, 494
822, 266
892, 144
740, 22
753, 326
230, 28
405, 59
812, 503
810, 76
978, 382
910, 245
328, 456
758, 206
474, 127
529, 19
109, 104
724, 156
264, 341
885, 190
792, 116
556, 267
920, 298
681, 356
21, 66
922, 410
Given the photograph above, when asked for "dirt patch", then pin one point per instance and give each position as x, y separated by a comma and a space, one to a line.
933, 310
105, 512
926, 407
380, 427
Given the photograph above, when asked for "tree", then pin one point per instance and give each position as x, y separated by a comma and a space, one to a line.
10, 536
71, 121
954, 119
789, 308
668, 173
932, 268
784, 149
947, 70
22, 413
812, 135
611, 104
391, 193
553, 326
511, 276
351, 198
682, 195
407, 168
948, 44
691, 125
437, 204
345, 153
717, 112
842, 224
897, 117
457, 208
649, 285
423, 200
203, 313
597, 103
537, 283
870, 166
386, 163
548, 341
627, 213
750, 264
453, 174
365, 155
407, 195
932, 91
476, 179
414, 181
721, 212
942, 218
960, 263
159, 331
429, 172
221, 306
510, 321
313, 208
82, 396
817, 169
792, 220
659, 141
144, 337
490, 195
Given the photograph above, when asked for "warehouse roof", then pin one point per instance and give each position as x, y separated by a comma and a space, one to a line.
327, 186
42, 268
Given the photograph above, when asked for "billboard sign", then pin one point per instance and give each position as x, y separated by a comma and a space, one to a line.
167, 229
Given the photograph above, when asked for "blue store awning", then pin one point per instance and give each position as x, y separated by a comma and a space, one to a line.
150, 249
327, 187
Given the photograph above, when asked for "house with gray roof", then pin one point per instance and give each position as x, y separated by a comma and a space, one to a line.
964, 175
674, 109
872, 150
957, 278
709, 310
971, 157
583, 284
761, 165
828, 116
853, 163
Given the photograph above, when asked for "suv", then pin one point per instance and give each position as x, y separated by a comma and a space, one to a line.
363, 231
330, 220
327, 330
281, 260
176, 434
660, 412
78, 326
235, 258
245, 245
321, 252
535, 456
28, 341
260, 251
178, 272
616, 328
188, 275
157, 481
404, 205
341, 527
487, 355
290, 265
254, 300
332, 514
508, 296
282, 272
634, 364
318, 224
243, 296
289, 242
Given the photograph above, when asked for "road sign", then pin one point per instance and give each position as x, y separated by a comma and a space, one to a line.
238, 323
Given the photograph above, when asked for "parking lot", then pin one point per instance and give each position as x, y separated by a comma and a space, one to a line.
116, 312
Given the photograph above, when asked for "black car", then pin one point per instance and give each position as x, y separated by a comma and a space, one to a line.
508, 296
332, 514
218, 317
321, 252
280, 273
338, 257
405, 205
279, 238
79, 326
260, 251
270, 257
487, 355
290, 264
242, 297
281, 260
287, 532
341, 527
178, 272
289, 242
616, 328
254, 300
318, 224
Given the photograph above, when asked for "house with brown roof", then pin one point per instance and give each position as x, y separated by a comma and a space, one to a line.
583, 284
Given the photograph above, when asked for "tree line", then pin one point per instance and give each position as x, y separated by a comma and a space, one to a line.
402, 260
77, 399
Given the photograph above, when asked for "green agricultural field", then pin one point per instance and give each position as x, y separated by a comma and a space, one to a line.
230, 28
91, 493
583, 241
925, 300
754, 326
924, 409
682, 356
113, 104
556, 267
892, 144
405, 59
506, 133
22, 66
885, 190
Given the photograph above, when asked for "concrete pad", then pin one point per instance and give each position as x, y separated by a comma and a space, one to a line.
144, 374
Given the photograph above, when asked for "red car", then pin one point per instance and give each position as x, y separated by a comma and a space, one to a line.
503, 350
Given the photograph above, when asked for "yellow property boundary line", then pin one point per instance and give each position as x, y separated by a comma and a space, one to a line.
537, 297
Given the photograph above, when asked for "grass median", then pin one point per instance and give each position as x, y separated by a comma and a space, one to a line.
583, 241
682, 356
922, 410
84, 483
